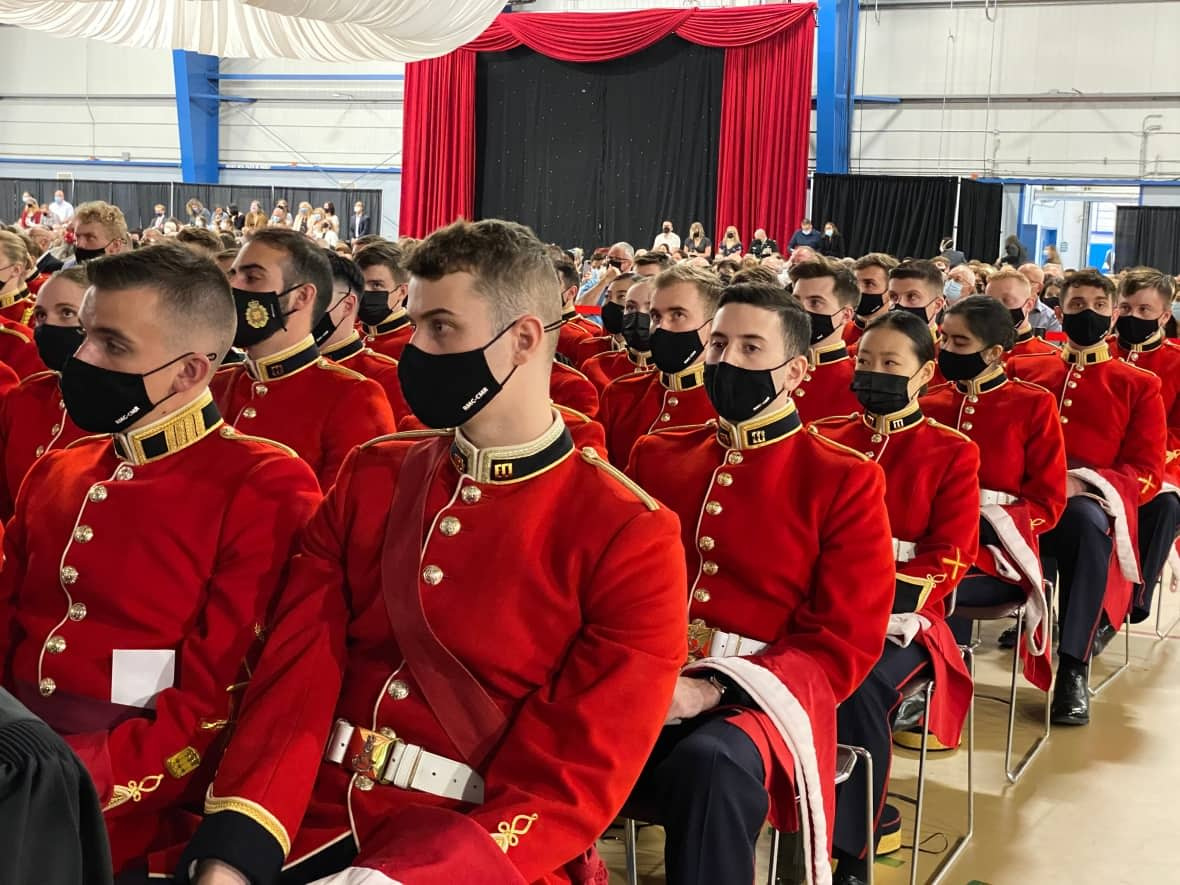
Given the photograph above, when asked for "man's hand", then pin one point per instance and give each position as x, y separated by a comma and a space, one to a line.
214, 872
610, 273
691, 698
1075, 487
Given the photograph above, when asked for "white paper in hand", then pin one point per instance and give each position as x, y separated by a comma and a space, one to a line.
138, 675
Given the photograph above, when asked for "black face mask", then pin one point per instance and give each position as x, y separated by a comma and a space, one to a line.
325, 327
821, 325
961, 366
739, 394
869, 304
919, 312
259, 316
637, 331
1018, 316
674, 352
1085, 329
612, 318
880, 392
448, 389
56, 344
83, 255
374, 308
105, 401
1135, 330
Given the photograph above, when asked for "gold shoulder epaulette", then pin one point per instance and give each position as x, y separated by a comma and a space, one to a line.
592, 457
1139, 368
567, 410
87, 439
37, 375
324, 363
228, 432
832, 419
573, 369
1031, 384
710, 425
380, 357
228, 367
940, 426
835, 445
407, 434
21, 335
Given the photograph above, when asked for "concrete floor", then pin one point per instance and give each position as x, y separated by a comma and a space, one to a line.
1101, 804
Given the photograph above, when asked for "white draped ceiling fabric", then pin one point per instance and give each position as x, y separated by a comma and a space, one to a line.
316, 30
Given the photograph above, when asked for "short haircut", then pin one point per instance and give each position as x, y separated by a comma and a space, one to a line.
194, 293
843, 281
1087, 276
1010, 273
508, 264
344, 270
663, 259
76, 275
228, 240
918, 269
988, 320
756, 274
707, 283
918, 331
1140, 279
796, 325
110, 217
202, 238
876, 259
306, 262
567, 273
626, 247
388, 255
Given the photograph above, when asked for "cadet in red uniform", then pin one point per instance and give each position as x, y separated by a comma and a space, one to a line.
571, 388
768, 627
286, 391
917, 288
33, 417
1145, 305
829, 294
932, 493
604, 368
139, 569
488, 761
872, 278
384, 320
338, 340
612, 322
1013, 290
1112, 415
574, 329
1022, 466
16, 304
682, 308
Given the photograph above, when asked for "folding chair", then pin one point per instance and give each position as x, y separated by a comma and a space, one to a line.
1159, 610
1119, 670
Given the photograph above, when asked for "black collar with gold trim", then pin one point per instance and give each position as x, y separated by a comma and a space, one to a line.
990, 379
760, 431
512, 463
692, 377
910, 416
284, 363
570, 314
13, 298
1155, 342
171, 433
396, 320
639, 358
346, 349
233, 357
1089, 356
1021, 337
823, 356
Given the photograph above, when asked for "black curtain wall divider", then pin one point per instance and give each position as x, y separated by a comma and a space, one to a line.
1147, 236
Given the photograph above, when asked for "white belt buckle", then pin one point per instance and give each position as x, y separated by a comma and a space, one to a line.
904, 551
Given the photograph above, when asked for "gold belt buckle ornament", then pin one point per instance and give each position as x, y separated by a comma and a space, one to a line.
700, 639
368, 753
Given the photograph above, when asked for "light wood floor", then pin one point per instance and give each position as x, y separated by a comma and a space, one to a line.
1099, 806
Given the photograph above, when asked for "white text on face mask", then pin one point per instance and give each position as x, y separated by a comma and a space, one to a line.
471, 402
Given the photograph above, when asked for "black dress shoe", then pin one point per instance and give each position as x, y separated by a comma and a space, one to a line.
1071, 695
1102, 637
1007, 638
847, 879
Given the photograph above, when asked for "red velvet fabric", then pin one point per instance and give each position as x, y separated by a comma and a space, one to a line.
765, 115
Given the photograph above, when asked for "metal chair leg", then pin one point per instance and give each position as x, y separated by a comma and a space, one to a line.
865, 758
921, 796
630, 833
775, 843
1038, 744
961, 844
1159, 612
1118, 671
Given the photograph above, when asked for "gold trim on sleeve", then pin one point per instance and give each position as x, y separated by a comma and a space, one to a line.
591, 456
252, 810
133, 791
508, 834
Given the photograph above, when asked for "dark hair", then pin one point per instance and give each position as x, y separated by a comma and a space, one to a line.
706, 282
663, 259
344, 270
388, 255
796, 325
200, 237
988, 320
1142, 278
1087, 276
843, 282
567, 274
918, 269
876, 259
921, 341
329, 207
756, 274
192, 290
306, 263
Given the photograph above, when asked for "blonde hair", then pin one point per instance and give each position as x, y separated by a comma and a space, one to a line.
114, 224
14, 250
696, 231
737, 236
1006, 273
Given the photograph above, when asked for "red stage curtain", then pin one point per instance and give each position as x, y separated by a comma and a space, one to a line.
762, 169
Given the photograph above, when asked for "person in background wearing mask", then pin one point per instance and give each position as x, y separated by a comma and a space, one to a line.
932, 495
697, 244
159, 217
730, 245
574, 329
682, 306
604, 622
1012, 289
382, 313
285, 390
612, 322
762, 246
806, 235
331, 217
959, 284
61, 212
635, 329
99, 229
1017, 428
1112, 415
828, 292
620, 259
751, 482
1145, 296
667, 237
872, 278
134, 678
916, 287
1041, 317
31, 215
832, 242
302, 223
360, 225
278, 216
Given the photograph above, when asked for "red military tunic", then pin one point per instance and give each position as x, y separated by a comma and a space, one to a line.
9, 380
33, 421
160, 550
572, 332
1028, 344
932, 493
316, 407
17, 350
1112, 415
1162, 358
787, 543
853, 331
378, 367
1022, 456
576, 636
17, 307
826, 389
646, 402
604, 368
391, 336
585, 431
571, 388
589, 347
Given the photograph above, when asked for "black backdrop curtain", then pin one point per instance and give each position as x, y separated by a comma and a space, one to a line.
981, 210
585, 159
1147, 236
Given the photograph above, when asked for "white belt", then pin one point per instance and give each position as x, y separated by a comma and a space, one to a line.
904, 551
729, 645
989, 496
406, 765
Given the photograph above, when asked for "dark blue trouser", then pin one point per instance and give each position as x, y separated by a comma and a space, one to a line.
1159, 520
1081, 544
